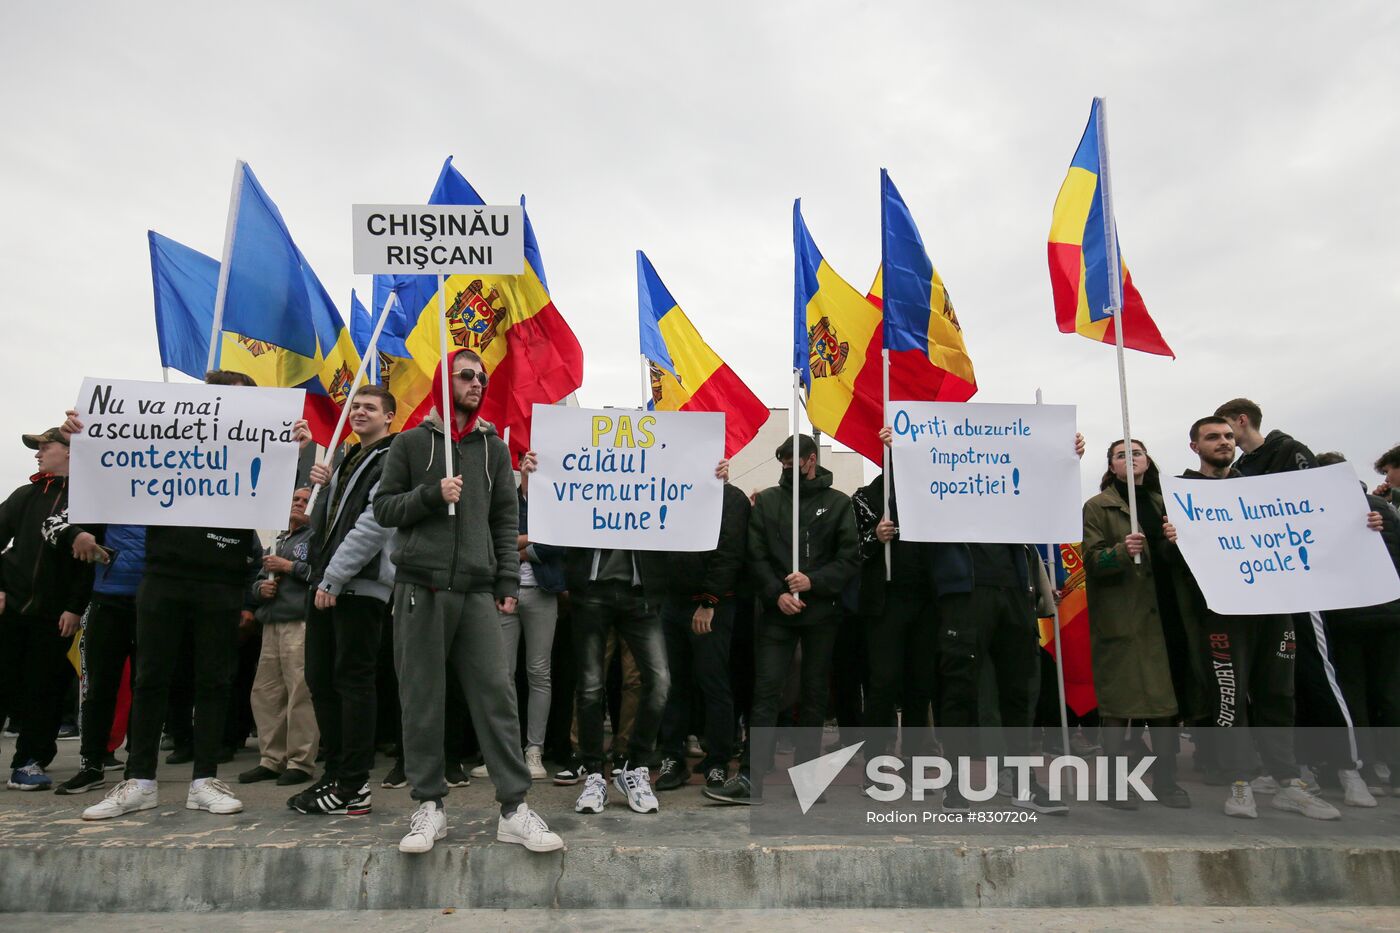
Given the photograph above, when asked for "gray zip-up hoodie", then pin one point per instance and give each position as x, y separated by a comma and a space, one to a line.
475, 550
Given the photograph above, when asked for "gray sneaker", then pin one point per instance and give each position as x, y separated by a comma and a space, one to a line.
1296, 796
1240, 803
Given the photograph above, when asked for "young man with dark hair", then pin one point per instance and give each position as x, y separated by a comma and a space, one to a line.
281, 703
456, 567
354, 581
196, 582
1246, 668
1320, 708
1388, 466
801, 605
43, 592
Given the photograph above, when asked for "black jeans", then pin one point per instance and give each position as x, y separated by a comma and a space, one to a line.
37, 673
624, 608
342, 649
774, 645
166, 609
901, 650
990, 625
109, 638
698, 661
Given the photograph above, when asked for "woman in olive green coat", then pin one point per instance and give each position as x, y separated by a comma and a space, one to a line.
1135, 629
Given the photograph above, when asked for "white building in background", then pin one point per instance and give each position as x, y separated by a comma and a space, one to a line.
755, 467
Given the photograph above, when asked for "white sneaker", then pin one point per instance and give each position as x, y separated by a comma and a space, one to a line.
480, 771
534, 760
426, 826
595, 794
1297, 797
126, 797
1240, 803
525, 827
1264, 784
1356, 793
635, 785
213, 795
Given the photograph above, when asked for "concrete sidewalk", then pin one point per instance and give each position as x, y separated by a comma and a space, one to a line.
691, 855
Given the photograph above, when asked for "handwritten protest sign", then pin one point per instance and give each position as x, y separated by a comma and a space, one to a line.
617, 478
985, 473
1291, 542
156, 453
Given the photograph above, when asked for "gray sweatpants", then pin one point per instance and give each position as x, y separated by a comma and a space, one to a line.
433, 630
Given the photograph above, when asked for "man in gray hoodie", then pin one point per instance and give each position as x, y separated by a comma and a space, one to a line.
456, 564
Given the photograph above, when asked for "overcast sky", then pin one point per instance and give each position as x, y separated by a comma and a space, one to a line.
1256, 157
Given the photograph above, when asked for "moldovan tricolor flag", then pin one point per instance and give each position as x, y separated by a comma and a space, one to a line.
1079, 260
686, 375
527, 348
1074, 628
928, 359
836, 349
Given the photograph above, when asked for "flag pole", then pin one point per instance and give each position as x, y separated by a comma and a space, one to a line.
796, 460
165, 374
646, 381
1051, 563
369, 354
1115, 299
885, 450
448, 415
221, 291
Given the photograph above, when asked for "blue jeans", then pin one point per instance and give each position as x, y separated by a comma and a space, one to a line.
698, 662
624, 608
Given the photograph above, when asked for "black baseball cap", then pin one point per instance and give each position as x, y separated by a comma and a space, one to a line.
805, 446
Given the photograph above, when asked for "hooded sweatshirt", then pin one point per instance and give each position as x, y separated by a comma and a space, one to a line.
1279, 453
473, 551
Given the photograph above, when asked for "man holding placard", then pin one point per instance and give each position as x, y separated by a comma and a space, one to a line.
454, 569
196, 580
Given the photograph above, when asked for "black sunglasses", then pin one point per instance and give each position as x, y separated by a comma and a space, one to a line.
467, 375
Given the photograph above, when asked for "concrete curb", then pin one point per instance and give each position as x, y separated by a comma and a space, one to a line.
1078, 874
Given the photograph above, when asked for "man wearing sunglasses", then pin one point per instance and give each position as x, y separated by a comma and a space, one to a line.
453, 572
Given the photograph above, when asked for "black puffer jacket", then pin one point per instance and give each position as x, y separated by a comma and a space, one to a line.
828, 546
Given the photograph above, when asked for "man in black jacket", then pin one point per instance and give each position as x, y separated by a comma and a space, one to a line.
354, 581
1327, 739
801, 605
697, 618
43, 592
196, 585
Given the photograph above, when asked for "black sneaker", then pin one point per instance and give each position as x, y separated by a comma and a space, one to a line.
455, 775
571, 774
395, 778
167, 744
736, 790
333, 800
85, 780
715, 778
110, 762
1038, 799
68, 731
1172, 795
954, 801
180, 756
672, 774
305, 801
293, 776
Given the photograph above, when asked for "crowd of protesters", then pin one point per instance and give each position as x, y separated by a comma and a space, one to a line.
409, 618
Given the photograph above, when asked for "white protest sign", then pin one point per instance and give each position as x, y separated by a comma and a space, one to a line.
157, 453
1290, 542
985, 473
618, 478
438, 239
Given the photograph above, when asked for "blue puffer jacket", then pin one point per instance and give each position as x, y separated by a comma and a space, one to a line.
123, 575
